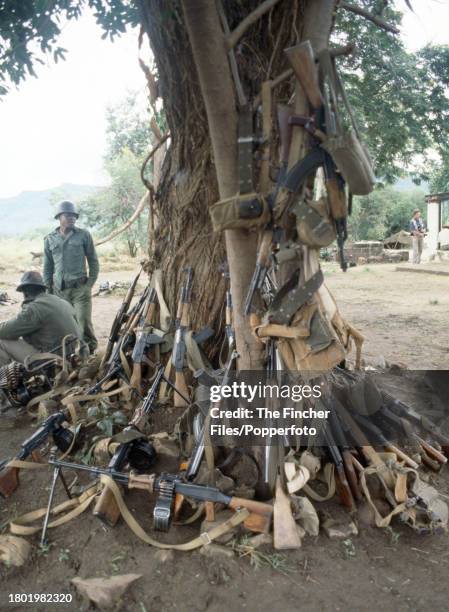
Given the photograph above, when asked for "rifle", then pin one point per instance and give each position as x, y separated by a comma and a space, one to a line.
337, 432
422, 421
52, 426
114, 363
144, 339
344, 490
302, 60
182, 324
168, 485
261, 269
120, 319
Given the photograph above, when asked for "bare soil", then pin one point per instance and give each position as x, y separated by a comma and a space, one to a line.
404, 318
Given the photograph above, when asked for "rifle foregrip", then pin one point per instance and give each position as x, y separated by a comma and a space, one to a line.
106, 508
9, 481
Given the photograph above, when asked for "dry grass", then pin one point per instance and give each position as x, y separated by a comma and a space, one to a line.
16, 256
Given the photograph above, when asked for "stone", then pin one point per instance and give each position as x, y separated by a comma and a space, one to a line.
217, 550
164, 556
339, 529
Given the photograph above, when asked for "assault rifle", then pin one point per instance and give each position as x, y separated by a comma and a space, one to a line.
182, 323
120, 318
145, 337
420, 420
114, 366
52, 426
168, 485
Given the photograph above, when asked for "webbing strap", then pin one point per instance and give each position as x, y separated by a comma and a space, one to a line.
76, 506
203, 539
71, 399
329, 476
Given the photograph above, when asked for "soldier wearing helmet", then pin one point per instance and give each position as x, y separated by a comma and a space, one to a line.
40, 326
66, 251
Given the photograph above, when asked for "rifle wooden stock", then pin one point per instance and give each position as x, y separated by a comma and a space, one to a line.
431, 451
402, 456
344, 490
285, 533
302, 61
106, 508
181, 385
136, 376
284, 113
351, 475
9, 481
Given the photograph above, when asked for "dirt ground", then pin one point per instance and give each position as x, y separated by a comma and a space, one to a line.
404, 319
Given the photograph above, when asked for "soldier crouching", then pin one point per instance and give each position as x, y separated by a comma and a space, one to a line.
42, 324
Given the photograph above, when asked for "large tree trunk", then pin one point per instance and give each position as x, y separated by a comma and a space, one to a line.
196, 87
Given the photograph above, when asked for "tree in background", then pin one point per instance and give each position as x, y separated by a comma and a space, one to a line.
383, 212
113, 205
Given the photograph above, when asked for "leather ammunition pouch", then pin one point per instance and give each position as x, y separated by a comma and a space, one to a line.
352, 160
240, 212
344, 144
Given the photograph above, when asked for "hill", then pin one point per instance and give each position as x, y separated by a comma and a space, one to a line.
33, 210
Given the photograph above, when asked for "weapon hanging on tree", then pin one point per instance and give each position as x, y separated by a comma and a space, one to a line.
182, 323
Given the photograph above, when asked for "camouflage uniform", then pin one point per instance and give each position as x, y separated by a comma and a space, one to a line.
65, 274
40, 327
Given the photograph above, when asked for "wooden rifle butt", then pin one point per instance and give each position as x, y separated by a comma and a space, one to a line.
136, 376
257, 523
337, 199
9, 481
432, 451
302, 61
402, 456
180, 384
344, 490
351, 475
106, 508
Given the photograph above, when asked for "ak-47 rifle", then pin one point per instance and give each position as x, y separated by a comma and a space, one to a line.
340, 439
182, 323
344, 490
420, 420
168, 485
113, 368
145, 337
120, 319
52, 426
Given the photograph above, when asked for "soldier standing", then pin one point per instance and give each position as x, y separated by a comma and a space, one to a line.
417, 231
66, 250
40, 326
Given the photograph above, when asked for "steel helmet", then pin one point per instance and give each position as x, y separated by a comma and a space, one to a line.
66, 207
32, 277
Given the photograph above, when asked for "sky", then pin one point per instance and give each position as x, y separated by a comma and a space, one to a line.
52, 128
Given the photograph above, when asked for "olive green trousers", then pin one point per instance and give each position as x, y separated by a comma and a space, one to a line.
81, 300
